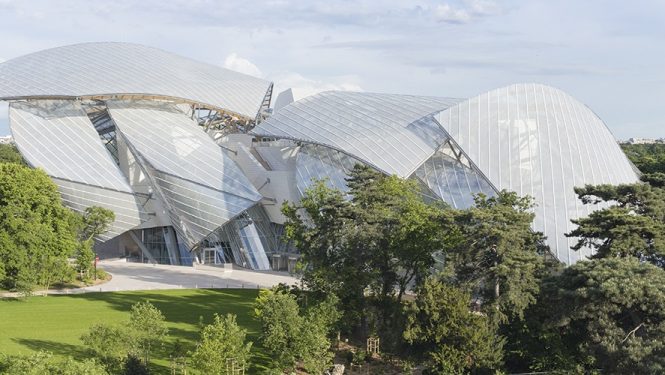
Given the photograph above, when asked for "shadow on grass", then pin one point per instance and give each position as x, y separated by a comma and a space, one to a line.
184, 309
57, 348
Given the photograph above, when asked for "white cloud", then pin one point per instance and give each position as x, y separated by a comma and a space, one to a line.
472, 9
242, 65
446, 13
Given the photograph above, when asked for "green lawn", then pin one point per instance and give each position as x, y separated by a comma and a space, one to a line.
55, 323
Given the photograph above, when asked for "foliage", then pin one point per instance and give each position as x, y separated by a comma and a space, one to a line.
109, 343
292, 337
134, 366
634, 226
84, 257
281, 324
9, 154
441, 324
37, 234
221, 342
611, 313
41, 363
96, 221
147, 329
57, 323
498, 256
648, 158
381, 239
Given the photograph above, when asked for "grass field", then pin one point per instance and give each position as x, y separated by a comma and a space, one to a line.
56, 323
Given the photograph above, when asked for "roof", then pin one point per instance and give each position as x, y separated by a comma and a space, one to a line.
202, 185
124, 69
58, 137
394, 133
539, 141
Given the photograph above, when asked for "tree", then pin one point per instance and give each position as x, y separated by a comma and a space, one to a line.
649, 158
631, 223
291, 336
442, 325
611, 312
498, 255
380, 241
9, 154
110, 344
36, 231
319, 323
222, 344
281, 325
148, 329
94, 222
145, 330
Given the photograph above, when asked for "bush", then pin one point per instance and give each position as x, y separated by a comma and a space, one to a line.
102, 275
359, 357
44, 363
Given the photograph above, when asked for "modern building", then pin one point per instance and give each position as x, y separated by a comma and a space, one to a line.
196, 166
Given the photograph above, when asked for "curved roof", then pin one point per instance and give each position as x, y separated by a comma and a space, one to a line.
203, 188
107, 69
58, 137
394, 133
539, 141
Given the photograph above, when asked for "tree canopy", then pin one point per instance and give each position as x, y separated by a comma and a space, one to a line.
37, 234
649, 158
611, 312
629, 223
380, 240
9, 154
498, 256
456, 339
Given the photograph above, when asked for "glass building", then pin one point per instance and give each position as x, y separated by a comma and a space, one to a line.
196, 167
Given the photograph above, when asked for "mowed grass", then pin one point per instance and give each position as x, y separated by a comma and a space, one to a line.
56, 323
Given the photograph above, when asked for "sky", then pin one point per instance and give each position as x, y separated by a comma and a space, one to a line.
608, 54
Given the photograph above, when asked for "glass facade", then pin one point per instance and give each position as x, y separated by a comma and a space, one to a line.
200, 185
393, 133
539, 141
451, 178
129, 112
125, 69
58, 137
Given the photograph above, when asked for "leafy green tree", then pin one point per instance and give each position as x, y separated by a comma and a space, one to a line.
41, 363
94, 222
633, 226
281, 325
148, 329
36, 231
611, 312
380, 241
9, 154
456, 339
144, 331
222, 343
110, 344
291, 336
648, 158
319, 324
499, 256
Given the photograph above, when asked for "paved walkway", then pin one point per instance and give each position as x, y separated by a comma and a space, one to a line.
138, 276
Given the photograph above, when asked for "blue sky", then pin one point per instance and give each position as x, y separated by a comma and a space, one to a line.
608, 54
